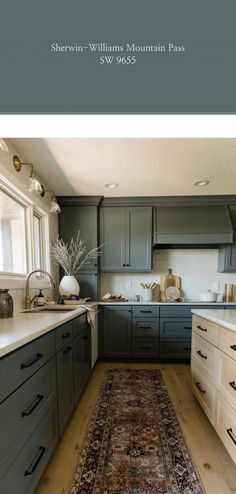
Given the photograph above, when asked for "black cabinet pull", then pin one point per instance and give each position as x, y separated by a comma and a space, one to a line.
36, 461
202, 329
187, 327
128, 265
231, 434
67, 350
65, 335
201, 354
32, 361
124, 264
199, 387
85, 337
233, 385
32, 407
145, 327
146, 311
233, 347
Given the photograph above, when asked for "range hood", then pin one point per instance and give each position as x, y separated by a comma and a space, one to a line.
194, 225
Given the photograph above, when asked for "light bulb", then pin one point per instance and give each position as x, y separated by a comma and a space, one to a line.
55, 208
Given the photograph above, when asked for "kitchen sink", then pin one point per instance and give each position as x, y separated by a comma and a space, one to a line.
51, 308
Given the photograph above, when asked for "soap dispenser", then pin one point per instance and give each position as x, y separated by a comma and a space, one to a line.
41, 298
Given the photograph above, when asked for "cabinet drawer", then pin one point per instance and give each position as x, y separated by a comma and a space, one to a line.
207, 329
204, 391
144, 348
23, 409
63, 335
175, 347
226, 377
171, 327
205, 354
226, 425
145, 311
25, 471
145, 327
18, 366
79, 324
227, 342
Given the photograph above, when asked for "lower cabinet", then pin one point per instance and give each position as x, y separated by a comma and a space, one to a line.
39, 386
116, 332
65, 386
175, 337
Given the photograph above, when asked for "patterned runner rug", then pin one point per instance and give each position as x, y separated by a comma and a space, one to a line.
134, 444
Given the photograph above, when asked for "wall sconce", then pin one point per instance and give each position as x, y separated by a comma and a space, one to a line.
55, 208
34, 184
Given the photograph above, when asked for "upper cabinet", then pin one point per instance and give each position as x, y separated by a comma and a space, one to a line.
227, 253
126, 238
83, 218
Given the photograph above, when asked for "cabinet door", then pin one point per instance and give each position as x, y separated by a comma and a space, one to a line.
65, 386
112, 239
83, 218
139, 239
88, 282
117, 332
82, 361
227, 254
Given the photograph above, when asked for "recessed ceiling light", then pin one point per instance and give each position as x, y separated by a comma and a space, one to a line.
201, 183
111, 186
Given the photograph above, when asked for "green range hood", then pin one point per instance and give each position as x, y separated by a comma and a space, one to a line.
192, 225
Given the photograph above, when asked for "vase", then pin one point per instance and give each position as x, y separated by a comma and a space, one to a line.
6, 303
69, 286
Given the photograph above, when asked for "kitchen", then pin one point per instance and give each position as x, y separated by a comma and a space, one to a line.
107, 216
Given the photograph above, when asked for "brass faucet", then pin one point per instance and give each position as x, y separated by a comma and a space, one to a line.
28, 301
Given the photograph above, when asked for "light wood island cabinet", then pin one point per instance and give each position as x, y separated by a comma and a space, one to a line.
213, 370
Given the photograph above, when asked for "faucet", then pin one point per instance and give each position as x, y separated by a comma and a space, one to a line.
28, 301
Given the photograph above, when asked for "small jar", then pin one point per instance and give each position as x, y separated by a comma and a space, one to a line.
6, 303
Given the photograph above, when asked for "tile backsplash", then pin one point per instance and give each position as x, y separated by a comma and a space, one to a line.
196, 267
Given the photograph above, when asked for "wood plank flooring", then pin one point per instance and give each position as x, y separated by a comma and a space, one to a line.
214, 465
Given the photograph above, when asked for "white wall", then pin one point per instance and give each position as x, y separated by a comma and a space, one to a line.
19, 180
196, 267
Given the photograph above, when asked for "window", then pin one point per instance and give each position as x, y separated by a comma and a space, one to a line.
12, 235
38, 241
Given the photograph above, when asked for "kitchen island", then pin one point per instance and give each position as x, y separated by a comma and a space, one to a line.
213, 370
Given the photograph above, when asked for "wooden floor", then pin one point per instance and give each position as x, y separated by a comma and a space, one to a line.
214, 465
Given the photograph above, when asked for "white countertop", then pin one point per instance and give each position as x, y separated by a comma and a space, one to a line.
24, 327
155, 302
226, 318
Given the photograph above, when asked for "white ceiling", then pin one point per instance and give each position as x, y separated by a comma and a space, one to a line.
141, 167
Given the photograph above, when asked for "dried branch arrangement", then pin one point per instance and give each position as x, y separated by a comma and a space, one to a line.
72, 257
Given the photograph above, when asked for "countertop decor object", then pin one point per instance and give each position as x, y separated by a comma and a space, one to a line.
6, 303
71, 257
208, 296
172, 293
169, 280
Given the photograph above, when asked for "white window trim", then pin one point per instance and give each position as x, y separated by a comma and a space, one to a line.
17, 280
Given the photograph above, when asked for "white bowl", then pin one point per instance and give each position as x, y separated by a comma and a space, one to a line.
208, 296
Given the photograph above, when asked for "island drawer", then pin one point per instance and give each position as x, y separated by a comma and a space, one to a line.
171, 327
79, 324
205, 354
63, 335
227, 342
207, 329
19, 365
145, 310
204, 390
145, 327
24, 473
226, 377
226, 425
24, 408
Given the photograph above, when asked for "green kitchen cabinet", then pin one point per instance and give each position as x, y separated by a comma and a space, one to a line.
116, 332
126, 238
227, 253
65, 385
83, 218
82, 361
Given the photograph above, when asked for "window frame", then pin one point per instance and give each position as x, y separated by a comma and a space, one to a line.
17, 280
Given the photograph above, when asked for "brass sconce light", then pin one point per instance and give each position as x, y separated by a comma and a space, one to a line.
34, 184
55, 208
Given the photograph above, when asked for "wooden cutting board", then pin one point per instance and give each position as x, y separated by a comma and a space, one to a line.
168, 280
